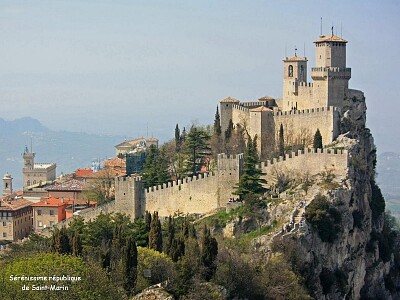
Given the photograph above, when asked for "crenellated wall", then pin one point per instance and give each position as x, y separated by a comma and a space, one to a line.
308, 161
200, 194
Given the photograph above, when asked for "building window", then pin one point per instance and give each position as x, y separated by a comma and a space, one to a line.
40, 224
4, 223
51, 223
290, 71
4, 234
39, 212
51, 212
28, 183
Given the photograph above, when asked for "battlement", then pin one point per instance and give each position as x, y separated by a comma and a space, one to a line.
305, 111
305, 84
332, 72
253, 103
308, 161
242, 108
307, 152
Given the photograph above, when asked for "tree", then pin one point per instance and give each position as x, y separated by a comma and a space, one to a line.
61, 243
250, 181
281, 142
76, 244
156, 169
155, 234
178, 140
229, 130
130, 262
317, 140
208, 253
217, 124
196, 146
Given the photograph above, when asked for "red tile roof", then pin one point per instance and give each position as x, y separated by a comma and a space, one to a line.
51, 202
83, 172
14, 204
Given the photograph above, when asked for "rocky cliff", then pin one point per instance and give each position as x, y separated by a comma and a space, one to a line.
343, 243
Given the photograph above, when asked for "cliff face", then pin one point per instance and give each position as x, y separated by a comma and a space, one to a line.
355, 260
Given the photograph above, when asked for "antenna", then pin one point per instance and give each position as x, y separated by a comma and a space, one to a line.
321, 26
304, 50
295, 51
31, 145
332, 29
341, 32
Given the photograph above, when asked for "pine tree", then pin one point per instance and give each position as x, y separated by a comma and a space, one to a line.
250, 182
208, 253
281, 142
317, 140
130, 263
156, 169
155, 234
196, 145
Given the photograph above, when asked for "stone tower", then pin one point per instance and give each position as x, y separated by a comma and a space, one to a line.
294, 74
330, 75
7, 184
29, 159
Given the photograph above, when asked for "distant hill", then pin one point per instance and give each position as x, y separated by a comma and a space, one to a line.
389, 180
69, 150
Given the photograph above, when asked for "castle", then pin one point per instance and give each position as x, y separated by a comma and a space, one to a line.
304, 107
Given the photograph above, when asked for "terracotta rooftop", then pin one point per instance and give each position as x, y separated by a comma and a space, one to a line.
266, 98
51, 202
107, 173
115, 162
230, 99
83, 172
261, 108
14, 204
70, 185
330, 38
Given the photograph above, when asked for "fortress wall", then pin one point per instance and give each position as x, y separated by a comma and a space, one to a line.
192, 195
201, 194
129, 196
240, 114
297, 123
308, 161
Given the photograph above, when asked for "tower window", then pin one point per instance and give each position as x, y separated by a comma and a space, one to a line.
290, 71
301, 72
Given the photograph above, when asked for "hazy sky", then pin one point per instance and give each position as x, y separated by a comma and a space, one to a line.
112, 67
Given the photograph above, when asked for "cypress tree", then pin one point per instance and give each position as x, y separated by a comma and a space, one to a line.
130, 263
61, 240
208, 253
281, 142
76, 244
155, 234
317, 140
229, 130
177, 138
171, 236
217, 124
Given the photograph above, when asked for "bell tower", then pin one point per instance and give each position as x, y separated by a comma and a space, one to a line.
29, 159
294, 74
7, 184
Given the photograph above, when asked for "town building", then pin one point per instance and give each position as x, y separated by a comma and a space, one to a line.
134, 146
48, 212
36, 174
15, 218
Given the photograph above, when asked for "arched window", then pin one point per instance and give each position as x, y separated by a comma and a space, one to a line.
28, 183
290, 73
6, 185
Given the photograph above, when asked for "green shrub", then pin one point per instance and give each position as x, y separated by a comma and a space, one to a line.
324, 218
327, 279
377, 203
